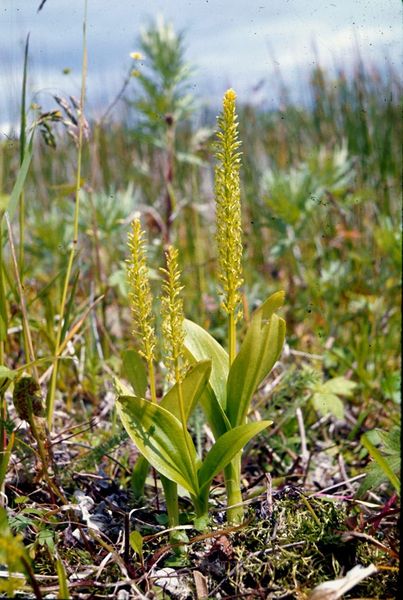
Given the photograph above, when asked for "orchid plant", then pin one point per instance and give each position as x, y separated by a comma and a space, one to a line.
201, 371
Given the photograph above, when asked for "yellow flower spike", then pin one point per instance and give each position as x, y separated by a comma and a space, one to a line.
140, 298
228, 214
173, 317
173, 328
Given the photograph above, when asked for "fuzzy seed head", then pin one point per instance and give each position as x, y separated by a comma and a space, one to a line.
228, 206
173, 317
27, 398
140, 296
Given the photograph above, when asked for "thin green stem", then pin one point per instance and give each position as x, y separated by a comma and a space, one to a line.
231, 337
44, 456
182, 408
25, 322
171, 499
52, 388
3, 337
232, 474
151, 377
23, 124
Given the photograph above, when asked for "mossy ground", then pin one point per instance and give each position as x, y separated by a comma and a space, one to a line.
291, 541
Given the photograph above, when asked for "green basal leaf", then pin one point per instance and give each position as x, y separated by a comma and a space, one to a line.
326, 403
215, 415
259, 351
134, 370
225, 448
199, 345
202, 346
121, 388
192, 388
159, 437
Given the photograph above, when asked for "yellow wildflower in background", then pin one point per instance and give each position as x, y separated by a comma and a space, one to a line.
136, 56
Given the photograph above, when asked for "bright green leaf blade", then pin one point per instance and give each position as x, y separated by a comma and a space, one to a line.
375, 476
139, 476
62, 578
260, 350
159, 436
326, 403
70, 306
3, 297
391, 440
136, 542
5, 459
338, 385
192, 388
134, 370
5, 372
226, 447
382, 462
215, 415
201, 346
19, 182
121, 388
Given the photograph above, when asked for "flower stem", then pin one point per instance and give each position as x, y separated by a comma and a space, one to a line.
232, 474
231, 337
50, 401
151, 377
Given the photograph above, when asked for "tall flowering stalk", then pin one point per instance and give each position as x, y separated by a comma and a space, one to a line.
229, 241
173, 324
141, 300
228, 216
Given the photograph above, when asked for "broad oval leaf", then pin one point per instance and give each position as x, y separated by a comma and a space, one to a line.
259, 351
136, 542
337, 385
193, 386
225, 448
159, 437
134, 371
6, 373
202, 346
326, 403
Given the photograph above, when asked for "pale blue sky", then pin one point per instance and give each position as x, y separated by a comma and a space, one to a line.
231, 42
